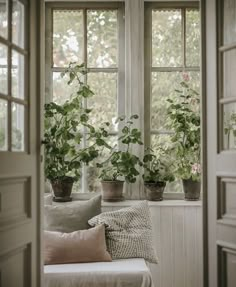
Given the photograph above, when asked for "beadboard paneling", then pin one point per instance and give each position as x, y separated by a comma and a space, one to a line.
177, 234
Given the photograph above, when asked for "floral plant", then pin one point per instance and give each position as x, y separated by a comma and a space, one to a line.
157, 166
123, 164
184, 121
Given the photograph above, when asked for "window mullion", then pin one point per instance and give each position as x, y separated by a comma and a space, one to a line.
9, 62
183, 13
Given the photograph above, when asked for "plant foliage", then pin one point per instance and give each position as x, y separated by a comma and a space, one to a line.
65, 125
123, 164
184, 121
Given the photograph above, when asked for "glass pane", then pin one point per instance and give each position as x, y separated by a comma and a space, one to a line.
102, 38
3, 125
3, 18
62, 91
192, 37
18, 75
18, 24
18, 122
229, 73
67, 37
163, 85
230, 126
167, 38
3, 69
104, 102
229, 22
164, 140
93, 181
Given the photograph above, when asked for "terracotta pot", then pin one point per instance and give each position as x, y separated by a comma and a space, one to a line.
192, 189
62, 189
154, 190
112, 191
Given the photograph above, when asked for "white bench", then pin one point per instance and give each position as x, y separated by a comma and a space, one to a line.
118, 273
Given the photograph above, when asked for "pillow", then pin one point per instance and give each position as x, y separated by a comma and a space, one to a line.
128, 232
78, 246
71, 216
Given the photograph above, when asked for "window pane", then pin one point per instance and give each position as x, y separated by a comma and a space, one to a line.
3, 125
229, 131
18, 23
62, 91
18, 121
67, 37
18, 75
192, 37
93, 182
3, 18
3, 69
164, 140
229, 72
166, 38
102, 38
163, 85
104, 102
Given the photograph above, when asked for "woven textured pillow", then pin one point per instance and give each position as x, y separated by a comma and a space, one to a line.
128, 232
71, 216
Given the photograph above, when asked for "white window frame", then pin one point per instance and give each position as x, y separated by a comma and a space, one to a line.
149, 7
49, 69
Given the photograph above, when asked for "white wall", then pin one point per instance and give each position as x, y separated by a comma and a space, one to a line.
177, 233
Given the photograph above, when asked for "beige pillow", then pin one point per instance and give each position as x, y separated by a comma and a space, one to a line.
71, 216
78, 246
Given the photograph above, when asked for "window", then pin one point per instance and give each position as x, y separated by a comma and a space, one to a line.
172, 46
90, 34
13, 75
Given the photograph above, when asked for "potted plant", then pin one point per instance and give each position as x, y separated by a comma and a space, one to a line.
121, 165
157, 172
64, 127
184, 121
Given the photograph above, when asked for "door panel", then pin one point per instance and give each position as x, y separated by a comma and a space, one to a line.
221, 141
19, 145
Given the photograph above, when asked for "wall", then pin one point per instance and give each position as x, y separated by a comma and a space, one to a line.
177, 233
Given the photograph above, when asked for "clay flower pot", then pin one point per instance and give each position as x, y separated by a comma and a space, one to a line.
112, 191
62, 189
192, 189
154, 190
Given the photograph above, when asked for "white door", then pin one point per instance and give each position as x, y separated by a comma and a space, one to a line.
221, 141
19, 148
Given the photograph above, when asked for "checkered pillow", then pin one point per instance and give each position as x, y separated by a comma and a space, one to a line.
128, 232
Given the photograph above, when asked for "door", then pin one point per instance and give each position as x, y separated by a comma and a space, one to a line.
19, 149
221, 141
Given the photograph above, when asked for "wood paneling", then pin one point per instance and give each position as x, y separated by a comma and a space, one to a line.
177, 234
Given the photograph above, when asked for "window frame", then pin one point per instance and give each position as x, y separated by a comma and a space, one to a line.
149, 69
120, 69
9, 98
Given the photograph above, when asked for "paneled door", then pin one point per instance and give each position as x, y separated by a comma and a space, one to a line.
19, 149
221, 141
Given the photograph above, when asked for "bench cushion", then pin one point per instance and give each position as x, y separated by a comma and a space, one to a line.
118, 273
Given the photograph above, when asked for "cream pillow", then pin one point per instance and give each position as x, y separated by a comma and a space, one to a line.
78, 246
128, 232
71, 216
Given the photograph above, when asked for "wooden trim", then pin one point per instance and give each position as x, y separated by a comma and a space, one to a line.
172, 5
227, 48
84, 5
175, 69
